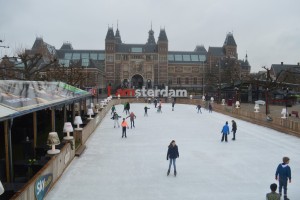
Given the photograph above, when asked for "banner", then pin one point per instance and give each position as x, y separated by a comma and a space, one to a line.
42, 185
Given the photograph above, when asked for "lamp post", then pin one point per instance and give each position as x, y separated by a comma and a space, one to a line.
267, 105
286, 100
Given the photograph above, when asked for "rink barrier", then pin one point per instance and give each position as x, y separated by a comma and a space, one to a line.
59, 162
55, 166
288, 125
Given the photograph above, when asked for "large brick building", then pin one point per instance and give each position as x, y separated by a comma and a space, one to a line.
150, 64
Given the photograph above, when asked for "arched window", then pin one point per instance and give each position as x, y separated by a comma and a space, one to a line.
178, 81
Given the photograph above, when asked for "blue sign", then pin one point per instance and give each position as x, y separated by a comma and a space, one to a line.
42, 185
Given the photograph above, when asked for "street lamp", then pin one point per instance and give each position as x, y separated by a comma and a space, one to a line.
286, 100
267, 108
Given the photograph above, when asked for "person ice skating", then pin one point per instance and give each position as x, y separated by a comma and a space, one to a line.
210, 108
199, 108
124, 126
113, 109
172, 155
273, 195
155, 102
283, 175
225, 132
159, 107
173, 104
127, 108
146, 109
234, 128
132, 117
116, 117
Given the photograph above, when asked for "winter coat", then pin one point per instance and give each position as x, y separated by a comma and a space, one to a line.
115, 116
284, 172
124, 124
131, 116
146, 108
172, 152
234, 128
225, 129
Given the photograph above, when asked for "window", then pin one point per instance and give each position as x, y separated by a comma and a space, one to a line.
101, 56
68, 56
186, 80
178, 57
195, 81
186, 58
202, 58
170, 81
76, 56
85, 62
136, 49
93, 56
194, 57
171, 57
178, 81
85, 55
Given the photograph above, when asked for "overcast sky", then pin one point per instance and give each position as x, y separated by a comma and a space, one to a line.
267, 30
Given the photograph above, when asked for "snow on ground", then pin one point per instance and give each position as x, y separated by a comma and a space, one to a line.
135, 168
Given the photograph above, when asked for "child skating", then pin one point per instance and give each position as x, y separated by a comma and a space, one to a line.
132, 117
283, 175
146, 111
116, 117
124, 126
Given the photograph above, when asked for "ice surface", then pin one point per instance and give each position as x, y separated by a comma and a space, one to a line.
135, 168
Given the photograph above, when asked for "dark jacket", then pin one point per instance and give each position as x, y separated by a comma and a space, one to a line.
284, 172
172, 151
234, 126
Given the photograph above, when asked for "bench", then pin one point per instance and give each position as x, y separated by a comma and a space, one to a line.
295, 113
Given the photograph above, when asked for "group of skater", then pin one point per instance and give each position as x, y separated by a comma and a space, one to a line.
225, 131
283, 171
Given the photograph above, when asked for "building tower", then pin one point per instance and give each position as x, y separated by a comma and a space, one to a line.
230, 47
110, 48
161, 77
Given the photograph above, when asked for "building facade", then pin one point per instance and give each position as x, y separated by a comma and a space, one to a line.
150, 64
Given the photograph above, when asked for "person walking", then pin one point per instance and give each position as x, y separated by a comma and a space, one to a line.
172, 155
273, 195
234, 128
124, 126
132, 117
283, 175
146, 109
225, 132
199, 108
116, 117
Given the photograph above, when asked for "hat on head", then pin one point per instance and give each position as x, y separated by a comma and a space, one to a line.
226, 122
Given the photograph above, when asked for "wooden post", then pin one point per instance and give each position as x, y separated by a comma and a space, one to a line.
65, 113
6, 151
53, 118
34, 130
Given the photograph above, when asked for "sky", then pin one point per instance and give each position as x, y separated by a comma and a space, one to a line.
267, 31
135, 168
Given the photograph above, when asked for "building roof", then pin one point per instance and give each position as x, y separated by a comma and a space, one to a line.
229, 41
216, 51
22, 97
110, 34
162, 35
277, 68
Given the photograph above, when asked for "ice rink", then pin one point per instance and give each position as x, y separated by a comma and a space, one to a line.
135, 168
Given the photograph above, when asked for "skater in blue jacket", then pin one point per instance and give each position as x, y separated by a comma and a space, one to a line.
172, 154
225, 132
283, 174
